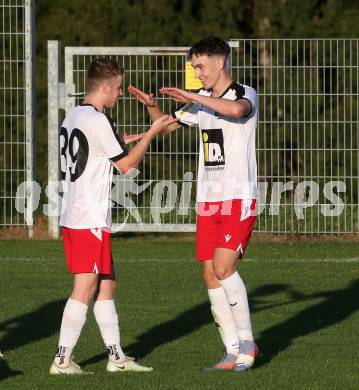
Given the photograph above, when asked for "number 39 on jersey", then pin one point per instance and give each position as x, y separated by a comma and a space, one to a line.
74, 152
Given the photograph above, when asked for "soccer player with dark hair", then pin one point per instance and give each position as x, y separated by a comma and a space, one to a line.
226, 114
90, 148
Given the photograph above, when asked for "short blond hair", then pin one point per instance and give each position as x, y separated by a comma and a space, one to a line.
100, 71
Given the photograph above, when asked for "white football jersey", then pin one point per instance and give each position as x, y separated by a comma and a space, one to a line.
227, 167
88, 146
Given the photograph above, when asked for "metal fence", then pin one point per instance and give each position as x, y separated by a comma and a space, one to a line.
16, 114
171, 159
307, 138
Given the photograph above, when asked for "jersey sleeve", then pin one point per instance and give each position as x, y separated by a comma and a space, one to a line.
187, 114
111, 142
249, 94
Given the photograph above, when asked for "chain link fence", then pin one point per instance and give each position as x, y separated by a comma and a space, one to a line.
16, 114
307, 138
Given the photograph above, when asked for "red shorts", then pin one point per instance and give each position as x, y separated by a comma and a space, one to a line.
225, 224
88, 250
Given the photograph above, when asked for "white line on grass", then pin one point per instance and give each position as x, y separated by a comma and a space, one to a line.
319, 260
181, 260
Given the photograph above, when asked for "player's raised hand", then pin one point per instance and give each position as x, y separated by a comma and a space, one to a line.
162, 123
147, 99
132, 138
179, 95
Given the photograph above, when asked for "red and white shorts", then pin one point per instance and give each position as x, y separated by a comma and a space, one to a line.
226, 224
88, 250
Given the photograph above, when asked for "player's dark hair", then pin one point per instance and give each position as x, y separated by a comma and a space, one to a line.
102, 70
210, 46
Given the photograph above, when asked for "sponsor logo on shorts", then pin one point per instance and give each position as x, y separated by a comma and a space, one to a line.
227, 237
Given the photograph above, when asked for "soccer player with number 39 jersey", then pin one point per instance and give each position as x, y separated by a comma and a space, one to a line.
226, 114
90, 148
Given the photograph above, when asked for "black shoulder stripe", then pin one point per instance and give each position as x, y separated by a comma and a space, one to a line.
118, 138
239, 89
230, 86
240, 92
111, 122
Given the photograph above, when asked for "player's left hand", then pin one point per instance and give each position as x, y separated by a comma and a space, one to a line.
179, 95
132, 138
161, 124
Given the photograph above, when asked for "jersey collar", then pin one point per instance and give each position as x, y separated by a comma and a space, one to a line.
226, 90
88, 104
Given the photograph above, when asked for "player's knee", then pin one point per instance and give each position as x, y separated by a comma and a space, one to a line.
222, 271
84, 289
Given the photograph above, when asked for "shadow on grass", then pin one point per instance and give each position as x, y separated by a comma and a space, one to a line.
336, 306
182, 325
6, 371
28, 328
32, 326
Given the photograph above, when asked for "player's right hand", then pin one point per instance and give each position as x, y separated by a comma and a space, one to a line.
162, 123
147, 99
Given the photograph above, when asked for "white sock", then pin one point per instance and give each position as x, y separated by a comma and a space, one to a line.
224, 319
237, 296
107, 319
73, 319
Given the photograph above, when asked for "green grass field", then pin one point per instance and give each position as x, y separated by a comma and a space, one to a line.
304, 297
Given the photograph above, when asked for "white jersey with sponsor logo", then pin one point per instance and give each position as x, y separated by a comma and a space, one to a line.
227, 167
88, 146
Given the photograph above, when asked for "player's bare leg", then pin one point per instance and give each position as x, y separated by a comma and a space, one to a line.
223, 317
107, 319
74, 318
225, 268
85, 286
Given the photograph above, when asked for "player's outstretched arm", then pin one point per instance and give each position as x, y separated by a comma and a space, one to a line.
179, 95
127, 139
148, 100
152, 107
136, 154
236, 109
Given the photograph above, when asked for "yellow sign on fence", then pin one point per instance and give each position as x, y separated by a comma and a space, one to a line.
191, 82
